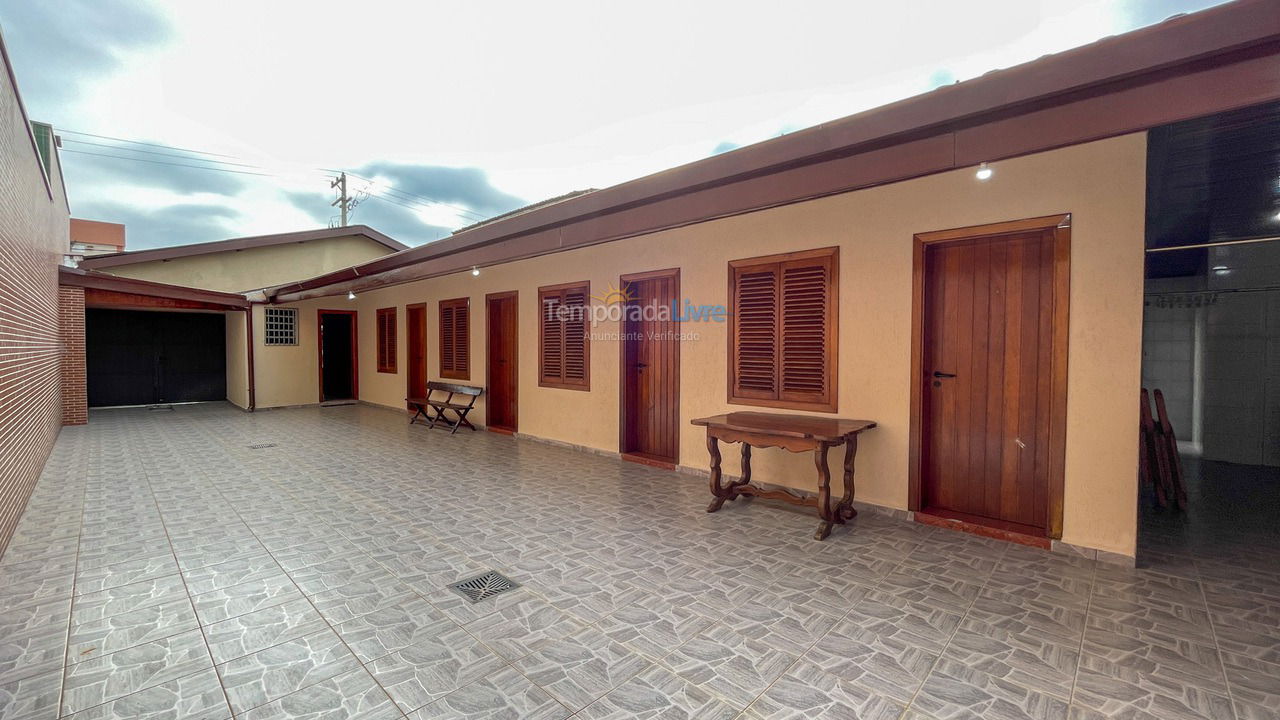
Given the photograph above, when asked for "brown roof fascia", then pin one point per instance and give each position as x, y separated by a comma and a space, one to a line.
76, 277
1217, 35
131, 257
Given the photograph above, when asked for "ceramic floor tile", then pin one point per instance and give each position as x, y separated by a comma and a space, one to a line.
955, 691
670, 614
285, 668
353, 695
258, 630
100, 637
232, 572
653, 626
504, 694
34, 696
235, 600
734, 667
33, 652
658, 693
886, 661
807, 692
434, 667
394, 627
579, 668
108, 677
102, 604
514, 632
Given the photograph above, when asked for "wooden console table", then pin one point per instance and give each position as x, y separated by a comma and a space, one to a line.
795, 433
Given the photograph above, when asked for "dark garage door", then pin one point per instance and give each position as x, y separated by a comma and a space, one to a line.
141, 357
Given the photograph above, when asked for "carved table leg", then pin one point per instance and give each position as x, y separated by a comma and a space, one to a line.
721, 494
746, 472
824, 493
845, 510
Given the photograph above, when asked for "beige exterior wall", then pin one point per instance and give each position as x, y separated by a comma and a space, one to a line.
1101, 184
237, 360
240, 270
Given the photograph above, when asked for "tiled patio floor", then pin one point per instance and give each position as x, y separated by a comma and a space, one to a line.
165, 568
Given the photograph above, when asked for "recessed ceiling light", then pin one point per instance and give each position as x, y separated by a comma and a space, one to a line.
984, 172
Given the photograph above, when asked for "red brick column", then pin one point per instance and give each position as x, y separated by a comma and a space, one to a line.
75, 400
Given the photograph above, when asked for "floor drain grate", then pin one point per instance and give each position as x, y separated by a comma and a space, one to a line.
484, 586
262, 446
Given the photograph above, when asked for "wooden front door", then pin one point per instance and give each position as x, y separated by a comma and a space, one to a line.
416, 324
503, 361
992, 382
650, 423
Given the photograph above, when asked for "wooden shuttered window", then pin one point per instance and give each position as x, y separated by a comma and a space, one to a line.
564, 348
782, 340
386, 340
455, 339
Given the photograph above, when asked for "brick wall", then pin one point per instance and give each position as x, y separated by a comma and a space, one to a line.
33, 237
75, 399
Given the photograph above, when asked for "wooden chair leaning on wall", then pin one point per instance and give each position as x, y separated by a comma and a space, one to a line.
1158, 461
1173, 461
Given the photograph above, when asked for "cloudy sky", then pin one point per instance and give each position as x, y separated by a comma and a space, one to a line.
451, 112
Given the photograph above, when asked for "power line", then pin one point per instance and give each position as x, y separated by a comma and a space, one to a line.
419, 201
162, 154
140, 142
161, 162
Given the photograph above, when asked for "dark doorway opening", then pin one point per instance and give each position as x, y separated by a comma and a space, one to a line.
503, 362
1211, 346
650, 424
138, 357
338, 367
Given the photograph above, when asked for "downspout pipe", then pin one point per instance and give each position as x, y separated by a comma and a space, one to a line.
248, 329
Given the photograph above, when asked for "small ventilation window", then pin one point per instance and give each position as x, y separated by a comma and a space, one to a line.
281, 326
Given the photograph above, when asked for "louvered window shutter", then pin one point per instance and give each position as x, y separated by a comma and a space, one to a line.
564, 337
783, 332
387, 340
455, 339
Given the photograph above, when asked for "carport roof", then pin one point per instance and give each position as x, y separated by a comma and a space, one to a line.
130, 257
77, 277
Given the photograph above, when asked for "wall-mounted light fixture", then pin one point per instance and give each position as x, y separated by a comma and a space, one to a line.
475, 270
984, 172
351, 294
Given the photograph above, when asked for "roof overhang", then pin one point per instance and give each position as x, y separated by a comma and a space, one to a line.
177, 295
132, 257
1188, 66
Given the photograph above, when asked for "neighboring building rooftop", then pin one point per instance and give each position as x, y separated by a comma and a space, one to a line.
92, 237
243, 243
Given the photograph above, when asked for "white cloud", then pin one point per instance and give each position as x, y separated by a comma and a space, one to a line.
544, 97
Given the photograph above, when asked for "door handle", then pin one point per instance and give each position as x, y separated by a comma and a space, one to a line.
642, 365
939, 374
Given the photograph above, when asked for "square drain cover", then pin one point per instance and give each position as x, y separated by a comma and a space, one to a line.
262, 446
484, 586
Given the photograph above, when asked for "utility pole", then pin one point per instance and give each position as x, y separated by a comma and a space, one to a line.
343, 202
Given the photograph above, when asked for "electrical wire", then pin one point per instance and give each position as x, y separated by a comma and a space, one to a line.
140, 142
162, 154
161, 162
402, 196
